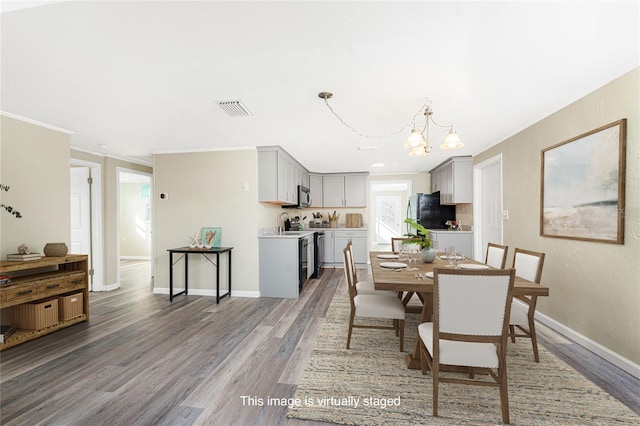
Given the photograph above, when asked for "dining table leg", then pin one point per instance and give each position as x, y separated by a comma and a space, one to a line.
413, 359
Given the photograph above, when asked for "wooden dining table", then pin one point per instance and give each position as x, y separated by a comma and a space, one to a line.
405, 280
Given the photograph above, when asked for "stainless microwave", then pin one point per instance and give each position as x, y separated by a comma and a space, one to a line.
304, 199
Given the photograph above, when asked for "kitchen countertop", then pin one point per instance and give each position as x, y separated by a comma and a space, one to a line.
305, 232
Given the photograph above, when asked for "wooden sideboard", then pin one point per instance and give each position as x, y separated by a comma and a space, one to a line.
40, 280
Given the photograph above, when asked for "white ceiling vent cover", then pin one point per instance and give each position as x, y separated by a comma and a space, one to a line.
234, 108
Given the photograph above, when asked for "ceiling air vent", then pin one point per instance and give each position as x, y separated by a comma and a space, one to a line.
234, 108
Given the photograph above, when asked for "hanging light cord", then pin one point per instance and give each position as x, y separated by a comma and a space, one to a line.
423, 110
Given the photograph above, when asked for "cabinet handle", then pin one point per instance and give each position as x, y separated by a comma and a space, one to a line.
50, 286
76, 281
23, 292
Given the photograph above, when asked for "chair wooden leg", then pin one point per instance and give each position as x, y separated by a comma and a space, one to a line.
401, 326
435, 372
350, 329
534, 341
504, 391
512, 333
423, 357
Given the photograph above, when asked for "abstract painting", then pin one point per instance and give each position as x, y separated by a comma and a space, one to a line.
582, 195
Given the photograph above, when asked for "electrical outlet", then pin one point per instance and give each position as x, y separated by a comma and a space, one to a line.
245, 187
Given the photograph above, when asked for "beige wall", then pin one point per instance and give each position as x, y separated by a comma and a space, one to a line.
206, 189
135, 226
35, 164
595, 287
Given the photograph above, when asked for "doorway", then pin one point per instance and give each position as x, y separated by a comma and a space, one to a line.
388, 212
487, 208
134, 219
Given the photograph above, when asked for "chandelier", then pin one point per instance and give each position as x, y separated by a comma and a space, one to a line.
418, 142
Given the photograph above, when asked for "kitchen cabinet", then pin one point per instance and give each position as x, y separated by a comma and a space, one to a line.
280, 261
461, 240
279, 176
328, 246
454, 180
344, 190
315, 188
358, 239
42, 280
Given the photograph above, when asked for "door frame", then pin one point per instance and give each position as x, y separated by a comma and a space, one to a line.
96, 280
478, 198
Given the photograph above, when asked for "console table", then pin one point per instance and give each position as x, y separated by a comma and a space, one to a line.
186, 251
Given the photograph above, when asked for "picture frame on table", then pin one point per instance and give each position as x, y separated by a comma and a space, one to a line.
211, 237
583, 186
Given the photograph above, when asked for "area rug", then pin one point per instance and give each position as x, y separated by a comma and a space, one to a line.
369, 384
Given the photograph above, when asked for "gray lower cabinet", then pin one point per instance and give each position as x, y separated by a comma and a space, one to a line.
358, 240
279, 267
328, 247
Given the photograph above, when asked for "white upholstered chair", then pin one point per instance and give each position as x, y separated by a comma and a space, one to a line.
469, 329
496, 255
372, 306
365, 286
528, 265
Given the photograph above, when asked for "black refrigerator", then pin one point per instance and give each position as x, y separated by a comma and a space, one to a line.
428, 211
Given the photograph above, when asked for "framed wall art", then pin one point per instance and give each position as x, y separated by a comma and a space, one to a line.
582, 189
212, 237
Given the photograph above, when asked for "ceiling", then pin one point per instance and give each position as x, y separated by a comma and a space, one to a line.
131, 79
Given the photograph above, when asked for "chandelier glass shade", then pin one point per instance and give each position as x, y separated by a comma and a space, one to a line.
418, 143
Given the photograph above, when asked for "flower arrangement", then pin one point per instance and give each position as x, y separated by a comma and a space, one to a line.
451, 224
422, 236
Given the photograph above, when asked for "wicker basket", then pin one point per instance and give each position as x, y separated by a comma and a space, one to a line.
55, 249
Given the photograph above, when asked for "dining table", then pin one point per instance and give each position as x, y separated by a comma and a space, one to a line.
414, 278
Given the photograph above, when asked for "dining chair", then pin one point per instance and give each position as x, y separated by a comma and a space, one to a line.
372, 306
365, 286
528, 265
469, 329
496, 255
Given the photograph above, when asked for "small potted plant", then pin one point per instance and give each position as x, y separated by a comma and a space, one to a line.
423, 238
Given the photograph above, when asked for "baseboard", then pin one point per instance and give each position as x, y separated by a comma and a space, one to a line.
595, 347
111, 287
135, 257
207, 292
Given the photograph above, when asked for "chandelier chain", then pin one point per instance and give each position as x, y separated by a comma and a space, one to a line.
421, 110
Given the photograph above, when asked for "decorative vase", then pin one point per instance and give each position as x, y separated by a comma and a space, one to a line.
55, 249
333, 224
428, 255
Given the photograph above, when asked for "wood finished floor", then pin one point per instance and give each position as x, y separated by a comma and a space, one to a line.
142, 360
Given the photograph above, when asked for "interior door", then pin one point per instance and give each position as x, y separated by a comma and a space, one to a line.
488, 206
80, 211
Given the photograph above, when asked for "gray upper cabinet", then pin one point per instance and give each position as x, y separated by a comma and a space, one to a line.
279, 176
454, 180
344, 190
315, 188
